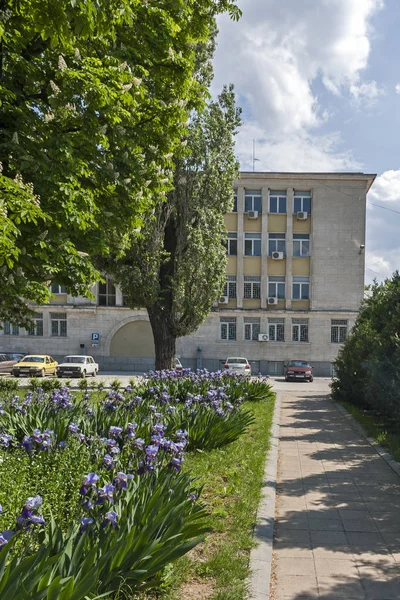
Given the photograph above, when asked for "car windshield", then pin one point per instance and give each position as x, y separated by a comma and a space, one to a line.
237, 361
298, 363
74, 359
33, 359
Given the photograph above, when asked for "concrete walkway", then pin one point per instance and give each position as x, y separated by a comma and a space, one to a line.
337, 533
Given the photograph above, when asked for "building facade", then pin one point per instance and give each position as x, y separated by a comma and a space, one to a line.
295, 280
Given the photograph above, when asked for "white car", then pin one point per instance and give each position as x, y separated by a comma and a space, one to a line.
77, 366
235, 364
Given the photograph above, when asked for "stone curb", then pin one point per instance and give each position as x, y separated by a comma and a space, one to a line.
387, 457
261, 556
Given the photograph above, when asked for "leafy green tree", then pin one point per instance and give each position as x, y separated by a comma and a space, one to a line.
95, 97
177, 267
368, 365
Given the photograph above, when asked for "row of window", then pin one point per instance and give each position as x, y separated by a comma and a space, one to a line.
276, 287
276, 329
58, 326
277, 201
107, 294
276, 243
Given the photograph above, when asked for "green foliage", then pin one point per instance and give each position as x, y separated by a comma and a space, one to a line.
8, 385
95, 97
368, 365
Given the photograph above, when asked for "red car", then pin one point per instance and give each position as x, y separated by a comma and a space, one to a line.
298, 370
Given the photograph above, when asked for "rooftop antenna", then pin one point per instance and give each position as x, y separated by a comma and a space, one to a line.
254, 155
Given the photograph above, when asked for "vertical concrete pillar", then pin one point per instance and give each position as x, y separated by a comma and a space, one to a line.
118, 296
239, 273
264, 247
289, 247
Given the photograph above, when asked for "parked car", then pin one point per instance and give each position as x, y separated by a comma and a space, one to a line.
239, 365
298, 370
14, 354
77, 366
37, 365
6, 363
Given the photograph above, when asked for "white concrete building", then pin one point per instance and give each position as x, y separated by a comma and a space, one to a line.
295, 280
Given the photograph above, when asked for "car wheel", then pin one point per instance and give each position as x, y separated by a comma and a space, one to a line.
42, 373
16, 374
83, 374
311, 379
94, 373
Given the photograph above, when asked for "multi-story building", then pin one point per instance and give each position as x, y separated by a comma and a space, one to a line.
295, 280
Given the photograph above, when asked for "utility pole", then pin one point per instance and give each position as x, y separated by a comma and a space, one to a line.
254, 155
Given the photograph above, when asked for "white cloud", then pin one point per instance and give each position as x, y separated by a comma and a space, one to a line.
387, 187
277, 52
397, 88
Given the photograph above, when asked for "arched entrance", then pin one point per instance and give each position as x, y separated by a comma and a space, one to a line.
134, 339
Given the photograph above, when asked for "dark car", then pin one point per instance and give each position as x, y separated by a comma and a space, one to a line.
298, 370
6, 363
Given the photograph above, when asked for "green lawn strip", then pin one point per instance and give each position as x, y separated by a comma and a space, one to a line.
384, 431
232, 479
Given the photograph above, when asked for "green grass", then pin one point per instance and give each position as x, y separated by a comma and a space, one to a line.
377, 427
232, 479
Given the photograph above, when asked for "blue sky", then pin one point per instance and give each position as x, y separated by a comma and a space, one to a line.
317, 83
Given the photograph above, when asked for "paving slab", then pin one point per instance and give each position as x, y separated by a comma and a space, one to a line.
337, 521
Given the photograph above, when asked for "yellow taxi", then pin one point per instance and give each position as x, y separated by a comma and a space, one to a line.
35, 365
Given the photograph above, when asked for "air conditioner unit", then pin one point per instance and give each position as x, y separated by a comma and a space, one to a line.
223, 300
252, 214
272, 300
277, 255
302, 216
263, 337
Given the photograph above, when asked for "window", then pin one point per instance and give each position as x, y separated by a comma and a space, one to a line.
276, 287
338, 331
301, 288
232, 244
234, 201
276, 330
228, 328
230, 287
252, 200
58, 324
252, 244
10, 329
107, 294
276, 243
277, 202
252, 286
37, 328
251, 329
301, 244
300, 330
58, 289
302, 202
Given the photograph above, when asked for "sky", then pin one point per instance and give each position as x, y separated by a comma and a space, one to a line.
319, 85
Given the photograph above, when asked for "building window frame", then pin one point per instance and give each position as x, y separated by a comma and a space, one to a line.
300, 288
252, 287
227, 329
276, 329
339, 329
251, 329
106, 293
230, 288
302, 201
252, 201
277, 287
57, 289
301, 245
276, 243
232, 243
252, 244
58, 324
300, 331
277, 202
10, 329
37, 329
235, 201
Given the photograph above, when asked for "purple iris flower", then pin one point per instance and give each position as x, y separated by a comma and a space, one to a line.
73, 428
85, 522
110, 517
108, 462
115, 432
139, 443
5, 536
176, 463
121, 481
1, 509
151, 451
5, 440
88, 482
105, 493
33, 503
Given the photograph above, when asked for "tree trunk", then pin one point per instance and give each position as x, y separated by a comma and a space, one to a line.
164, 338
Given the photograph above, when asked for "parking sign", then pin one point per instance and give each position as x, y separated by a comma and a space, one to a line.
95, 337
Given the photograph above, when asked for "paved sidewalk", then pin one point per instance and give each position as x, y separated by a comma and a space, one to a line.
337, 533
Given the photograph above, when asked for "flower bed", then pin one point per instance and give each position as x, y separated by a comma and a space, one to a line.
94, 499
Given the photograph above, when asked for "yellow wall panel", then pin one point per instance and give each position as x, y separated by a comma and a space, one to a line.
252, 224
276, 268
231, 221
277, 223
301, 267
301, 226
252, 265
59, 299
250, 303
300, 304
133, 339
231, 266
